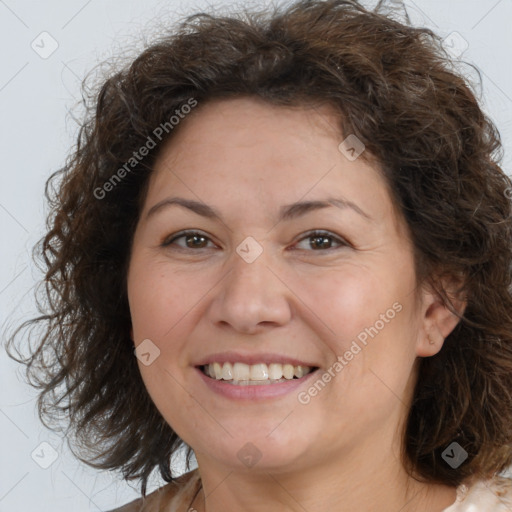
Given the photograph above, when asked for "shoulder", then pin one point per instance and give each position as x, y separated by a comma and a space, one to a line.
493, 495
175, 494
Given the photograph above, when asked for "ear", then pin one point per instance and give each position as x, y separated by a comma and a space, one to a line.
437, 319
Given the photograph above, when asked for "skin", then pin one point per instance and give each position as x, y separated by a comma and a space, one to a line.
341, 451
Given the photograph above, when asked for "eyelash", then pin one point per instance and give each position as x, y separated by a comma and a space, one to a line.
311, 234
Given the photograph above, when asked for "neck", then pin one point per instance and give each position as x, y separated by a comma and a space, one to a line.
377, 485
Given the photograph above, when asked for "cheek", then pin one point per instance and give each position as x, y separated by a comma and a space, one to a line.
159, 298
367, 311
346, 300
372, 319
161, 306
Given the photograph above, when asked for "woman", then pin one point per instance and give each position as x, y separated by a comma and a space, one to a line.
284, 242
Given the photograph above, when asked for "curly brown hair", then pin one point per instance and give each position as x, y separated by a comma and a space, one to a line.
397, 90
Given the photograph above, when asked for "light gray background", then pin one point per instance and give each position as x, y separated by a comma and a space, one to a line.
36, 134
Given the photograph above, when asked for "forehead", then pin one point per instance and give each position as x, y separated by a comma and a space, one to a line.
246, 152
231, 129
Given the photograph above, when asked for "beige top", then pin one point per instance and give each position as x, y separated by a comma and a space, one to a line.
483, 496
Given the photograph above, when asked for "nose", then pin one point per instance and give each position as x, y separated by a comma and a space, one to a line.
251, 297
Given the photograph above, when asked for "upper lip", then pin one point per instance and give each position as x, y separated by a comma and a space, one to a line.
237, 357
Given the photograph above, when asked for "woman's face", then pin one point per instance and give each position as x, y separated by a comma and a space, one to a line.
255, 287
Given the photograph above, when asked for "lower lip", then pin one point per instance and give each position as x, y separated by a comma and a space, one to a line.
262, 391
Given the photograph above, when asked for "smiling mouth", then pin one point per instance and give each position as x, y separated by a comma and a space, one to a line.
242, 374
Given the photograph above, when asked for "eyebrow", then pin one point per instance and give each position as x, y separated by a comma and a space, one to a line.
287, 212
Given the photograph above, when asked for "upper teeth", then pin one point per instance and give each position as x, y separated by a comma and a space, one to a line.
261, 371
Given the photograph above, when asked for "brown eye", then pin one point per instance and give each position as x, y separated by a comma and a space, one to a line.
193, 240
323, 240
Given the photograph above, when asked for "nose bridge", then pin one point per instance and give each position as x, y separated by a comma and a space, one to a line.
250, 266
250, 293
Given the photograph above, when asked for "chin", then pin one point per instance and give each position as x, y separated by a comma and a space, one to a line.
256, 450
